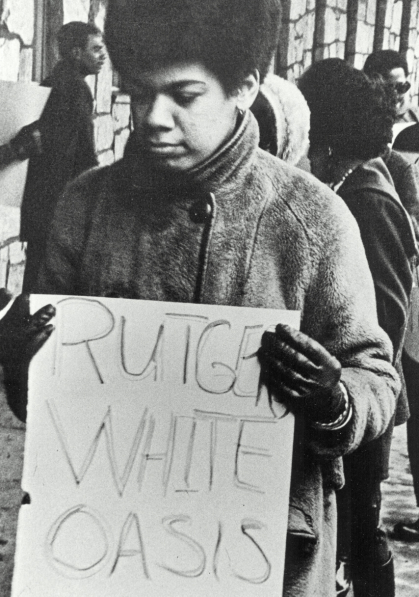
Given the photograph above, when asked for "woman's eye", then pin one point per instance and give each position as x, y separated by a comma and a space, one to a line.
184, 99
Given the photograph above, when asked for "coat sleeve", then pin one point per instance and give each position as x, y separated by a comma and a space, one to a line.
340, 313
59, 272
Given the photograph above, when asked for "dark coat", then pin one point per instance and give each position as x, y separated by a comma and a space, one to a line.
405, 175
244, 229
390, 246
67, 140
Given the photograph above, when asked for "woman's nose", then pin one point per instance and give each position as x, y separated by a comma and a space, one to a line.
159, 113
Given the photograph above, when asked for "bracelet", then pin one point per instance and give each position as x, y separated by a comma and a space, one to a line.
342, 419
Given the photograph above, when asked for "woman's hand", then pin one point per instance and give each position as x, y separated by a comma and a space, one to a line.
22, 334
301, 372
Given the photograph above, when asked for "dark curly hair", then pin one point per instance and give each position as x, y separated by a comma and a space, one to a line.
350, 113
384, 61
75, 35
230, 37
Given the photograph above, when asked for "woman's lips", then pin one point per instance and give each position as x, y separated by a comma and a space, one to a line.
165, 148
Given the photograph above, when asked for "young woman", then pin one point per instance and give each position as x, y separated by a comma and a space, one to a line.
350, 127
196, 212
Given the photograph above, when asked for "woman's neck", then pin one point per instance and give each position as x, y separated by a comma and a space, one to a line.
342, 168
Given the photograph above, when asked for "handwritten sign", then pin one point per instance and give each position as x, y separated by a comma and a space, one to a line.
155, 462
21, 104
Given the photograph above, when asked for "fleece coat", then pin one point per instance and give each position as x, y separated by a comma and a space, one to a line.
243, 228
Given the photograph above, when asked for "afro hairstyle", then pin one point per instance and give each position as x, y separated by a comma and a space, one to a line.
75, 35
349, 112
231, 38
384, 61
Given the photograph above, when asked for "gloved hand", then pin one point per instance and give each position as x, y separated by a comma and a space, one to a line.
28, 142
301, 373
21, 336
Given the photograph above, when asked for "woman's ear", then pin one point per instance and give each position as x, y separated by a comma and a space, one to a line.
248, 91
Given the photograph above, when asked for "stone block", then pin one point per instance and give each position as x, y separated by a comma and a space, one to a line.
15, 280
4, 265
396, 20
121, 114
10, 60
342, 5
104, 89
17, 253
389, 14
104, 132
91, 81
362, 38
9, 223
341, 28
359, 61
120, 141
98, 12
362, 10
106, 158
76, 10
298, 8
26, 64
20, 18
307, 58
330, 26
371, 10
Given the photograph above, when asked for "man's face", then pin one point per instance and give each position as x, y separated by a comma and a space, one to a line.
181, 114
397, 77
93, 57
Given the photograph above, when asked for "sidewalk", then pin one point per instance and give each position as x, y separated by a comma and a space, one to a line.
399, 504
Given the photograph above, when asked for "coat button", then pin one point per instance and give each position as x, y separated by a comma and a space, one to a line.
200, 211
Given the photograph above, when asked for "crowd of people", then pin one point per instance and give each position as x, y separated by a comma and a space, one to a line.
207, 192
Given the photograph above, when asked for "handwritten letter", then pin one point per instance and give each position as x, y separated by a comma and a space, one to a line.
156, 463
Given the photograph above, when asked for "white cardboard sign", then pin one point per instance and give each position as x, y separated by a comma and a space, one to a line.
156, 464
21, 104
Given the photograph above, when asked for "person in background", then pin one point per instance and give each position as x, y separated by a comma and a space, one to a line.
197, 212
283, 118
60, 146
392, 66
401, 161
350, 127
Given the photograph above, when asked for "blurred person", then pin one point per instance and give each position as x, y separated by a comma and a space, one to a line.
283, 118
60, 146
392, 66
350, 128
197, 212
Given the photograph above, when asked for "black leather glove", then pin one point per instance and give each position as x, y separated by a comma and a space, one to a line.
21, 336
27, 142
302, 373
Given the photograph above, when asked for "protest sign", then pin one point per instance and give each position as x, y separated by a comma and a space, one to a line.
22, 104
155, 462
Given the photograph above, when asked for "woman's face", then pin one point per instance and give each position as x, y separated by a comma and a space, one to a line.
181, 114
320, 163
397, 77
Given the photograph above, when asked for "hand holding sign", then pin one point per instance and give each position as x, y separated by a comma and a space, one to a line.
155, 461
21, 336
301, 371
